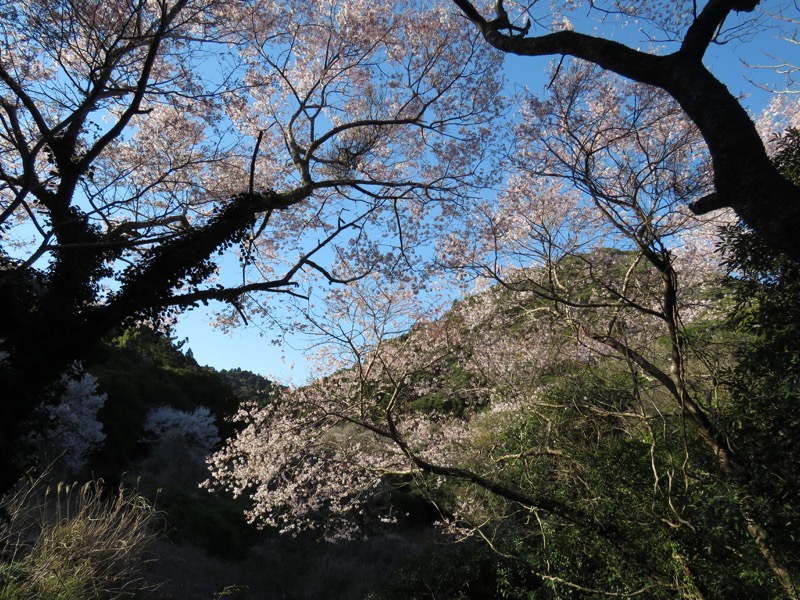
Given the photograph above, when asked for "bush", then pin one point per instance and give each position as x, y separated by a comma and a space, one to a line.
467, 570
73, 541
215, 523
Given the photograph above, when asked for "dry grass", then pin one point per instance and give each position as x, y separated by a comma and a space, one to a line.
68, 542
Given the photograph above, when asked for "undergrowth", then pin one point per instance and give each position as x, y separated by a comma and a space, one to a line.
73, 541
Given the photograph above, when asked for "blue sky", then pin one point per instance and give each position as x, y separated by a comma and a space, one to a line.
250, 347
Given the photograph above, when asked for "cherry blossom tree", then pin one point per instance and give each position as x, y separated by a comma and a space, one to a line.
327, 456
605, 165
178, 444
681, 33
595, 221
161, 154
73, 430
196, 428
315, 457
599, 266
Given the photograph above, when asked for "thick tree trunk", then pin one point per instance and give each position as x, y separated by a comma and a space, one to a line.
745, 179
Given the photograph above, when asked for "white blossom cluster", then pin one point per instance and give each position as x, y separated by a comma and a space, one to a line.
297, 473
73, 430
197, 428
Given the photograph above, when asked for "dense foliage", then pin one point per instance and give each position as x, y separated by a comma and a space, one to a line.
765, 409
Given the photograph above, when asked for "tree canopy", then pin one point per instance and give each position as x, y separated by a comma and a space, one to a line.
158, 155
